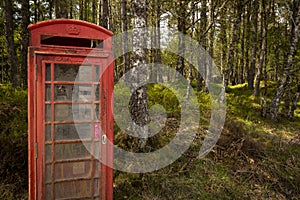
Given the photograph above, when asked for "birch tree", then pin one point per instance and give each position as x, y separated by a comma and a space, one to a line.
284, 80
139, 98
263, 30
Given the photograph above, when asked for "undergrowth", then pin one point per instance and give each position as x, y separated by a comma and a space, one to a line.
13, 143
255, 158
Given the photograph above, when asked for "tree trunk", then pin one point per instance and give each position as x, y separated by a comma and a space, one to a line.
152, 50
157, 58
251, 72
208, 61
71, 9
51, 9
81, 9
247, 42
284, 80
99, 12
242, 61
203, 43
224, 42
277, 65
264, 27
35, 13
139, 98
231, 55
25, 38
180, 57
181, 26
61, 9
105, 13
112, 19
265, 92
9, 35
126, 56
287, 96
291, 112
86, 10
237, 68
264, 107
190, 74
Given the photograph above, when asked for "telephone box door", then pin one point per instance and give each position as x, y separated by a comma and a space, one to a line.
71, 127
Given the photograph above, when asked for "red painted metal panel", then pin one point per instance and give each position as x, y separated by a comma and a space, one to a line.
69, 28
42, 55
110, 120
31, 124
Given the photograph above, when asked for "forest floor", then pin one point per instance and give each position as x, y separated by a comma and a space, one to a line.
255, 157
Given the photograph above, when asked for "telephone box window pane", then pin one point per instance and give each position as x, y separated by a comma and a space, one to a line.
48, 93
48, 173
82, 111
96, 187
97, 112
73, 189
48, 133
65, 72
70, 112
84, 130
48, 72
48, 153
73, 93
72, 170
72, 151
63, 92
97, 73
48, 192
48, 113
85, 74
97, 92
96, 150
65, 132
71, 72
96, 173
63, 112
82, 93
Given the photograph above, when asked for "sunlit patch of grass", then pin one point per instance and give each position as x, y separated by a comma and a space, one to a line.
256, 105
297, 112
239, 86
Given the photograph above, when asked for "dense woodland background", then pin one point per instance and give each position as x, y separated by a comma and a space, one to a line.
250, 41
255, 45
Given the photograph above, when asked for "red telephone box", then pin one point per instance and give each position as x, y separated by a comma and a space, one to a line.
70, 84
